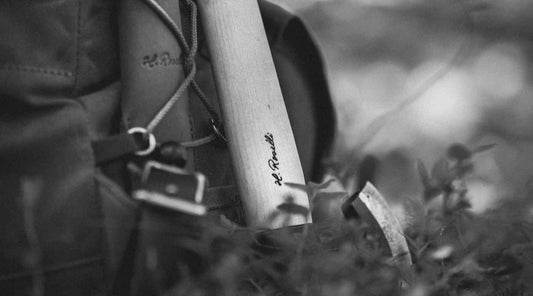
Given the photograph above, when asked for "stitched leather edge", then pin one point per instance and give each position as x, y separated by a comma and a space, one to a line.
37, 70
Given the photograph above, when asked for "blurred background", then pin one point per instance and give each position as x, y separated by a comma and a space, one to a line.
411, 77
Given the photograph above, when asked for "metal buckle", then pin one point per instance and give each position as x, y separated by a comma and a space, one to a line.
172, 188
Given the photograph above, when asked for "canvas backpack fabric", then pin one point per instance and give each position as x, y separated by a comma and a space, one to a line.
67, 223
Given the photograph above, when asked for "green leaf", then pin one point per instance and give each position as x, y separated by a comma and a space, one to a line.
423, 172
313, 189
459, 152
293, 208
431, 192
483, 148
441, 172
462, 204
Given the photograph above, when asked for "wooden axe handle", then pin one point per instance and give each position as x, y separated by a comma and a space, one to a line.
257, 125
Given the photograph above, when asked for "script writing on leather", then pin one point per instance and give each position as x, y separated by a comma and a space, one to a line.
160, 60
273, 161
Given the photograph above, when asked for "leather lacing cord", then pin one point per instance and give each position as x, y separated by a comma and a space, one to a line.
124, 144
189, 63
189, 68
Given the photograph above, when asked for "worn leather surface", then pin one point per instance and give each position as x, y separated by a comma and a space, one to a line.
64, 225
52, 53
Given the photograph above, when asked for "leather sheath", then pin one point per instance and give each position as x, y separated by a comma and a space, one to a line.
151, 70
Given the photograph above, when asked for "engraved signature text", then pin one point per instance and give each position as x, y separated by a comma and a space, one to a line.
273, 162
160, 60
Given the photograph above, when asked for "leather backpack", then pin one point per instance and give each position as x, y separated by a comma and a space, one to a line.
68, 224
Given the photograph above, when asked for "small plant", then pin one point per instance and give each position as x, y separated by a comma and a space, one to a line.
455, 252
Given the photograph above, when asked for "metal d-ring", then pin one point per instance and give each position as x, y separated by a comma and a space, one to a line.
151, 140
218, 131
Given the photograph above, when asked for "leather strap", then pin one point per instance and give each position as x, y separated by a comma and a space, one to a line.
116, 147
